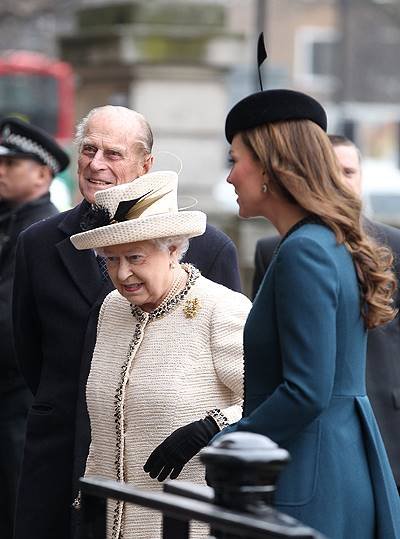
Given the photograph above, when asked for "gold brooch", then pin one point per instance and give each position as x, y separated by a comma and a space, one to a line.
191, 307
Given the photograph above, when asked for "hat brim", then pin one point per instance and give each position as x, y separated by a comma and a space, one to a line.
184, 223
7, 152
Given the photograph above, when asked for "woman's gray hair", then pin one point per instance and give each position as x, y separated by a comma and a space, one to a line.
181, 243
144, 135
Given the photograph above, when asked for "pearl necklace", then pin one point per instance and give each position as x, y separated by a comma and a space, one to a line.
174, 298
178, 283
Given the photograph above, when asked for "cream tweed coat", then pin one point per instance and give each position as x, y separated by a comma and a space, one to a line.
152, 374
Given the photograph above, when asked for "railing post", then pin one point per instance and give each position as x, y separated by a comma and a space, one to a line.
243, 468
94, 516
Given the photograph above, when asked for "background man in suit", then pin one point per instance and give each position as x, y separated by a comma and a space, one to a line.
383, 353
56, 289
29, 158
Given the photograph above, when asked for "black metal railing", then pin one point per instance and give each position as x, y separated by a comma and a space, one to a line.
242, 469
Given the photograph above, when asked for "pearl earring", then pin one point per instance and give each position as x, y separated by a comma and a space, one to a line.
264, 188
172, 265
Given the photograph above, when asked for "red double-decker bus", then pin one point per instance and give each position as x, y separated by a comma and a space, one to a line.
40, 90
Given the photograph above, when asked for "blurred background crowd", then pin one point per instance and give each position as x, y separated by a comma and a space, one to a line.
183, 63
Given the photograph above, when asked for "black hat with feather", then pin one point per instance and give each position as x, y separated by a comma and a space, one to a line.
272, 106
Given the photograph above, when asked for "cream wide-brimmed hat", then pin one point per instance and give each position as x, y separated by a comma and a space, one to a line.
144, 209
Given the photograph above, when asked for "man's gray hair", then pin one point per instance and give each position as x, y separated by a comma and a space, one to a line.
144, 135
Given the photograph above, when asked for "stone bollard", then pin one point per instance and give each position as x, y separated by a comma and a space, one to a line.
242, 468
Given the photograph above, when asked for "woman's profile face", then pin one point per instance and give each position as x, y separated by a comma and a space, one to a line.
140, 272
247, 177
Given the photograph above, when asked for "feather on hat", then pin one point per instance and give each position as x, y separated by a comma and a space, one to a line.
144, 209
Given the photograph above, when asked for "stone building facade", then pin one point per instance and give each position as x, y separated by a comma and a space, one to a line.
183, 63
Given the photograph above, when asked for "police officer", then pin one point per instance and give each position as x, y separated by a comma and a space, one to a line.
29, 159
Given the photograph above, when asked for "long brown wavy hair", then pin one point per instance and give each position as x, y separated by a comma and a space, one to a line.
301, 165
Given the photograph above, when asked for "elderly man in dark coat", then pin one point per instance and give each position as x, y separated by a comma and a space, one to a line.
29, 158
383, 351
56, 289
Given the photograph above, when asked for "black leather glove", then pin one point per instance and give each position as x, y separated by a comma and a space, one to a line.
175, 451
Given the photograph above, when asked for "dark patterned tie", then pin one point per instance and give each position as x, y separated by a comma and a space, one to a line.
102, 266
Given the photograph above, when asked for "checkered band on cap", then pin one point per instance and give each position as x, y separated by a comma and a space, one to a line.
29, 146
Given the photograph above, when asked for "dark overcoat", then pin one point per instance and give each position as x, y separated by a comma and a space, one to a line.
13, 220
56, 287
15, 397
305, 351
383, 346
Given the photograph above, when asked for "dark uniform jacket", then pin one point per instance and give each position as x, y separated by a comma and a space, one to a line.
56, 289
14, 219
383, 351
15, 397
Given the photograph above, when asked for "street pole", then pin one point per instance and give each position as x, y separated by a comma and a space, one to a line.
346, 126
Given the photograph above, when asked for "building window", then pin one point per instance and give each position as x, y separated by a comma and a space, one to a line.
316, 50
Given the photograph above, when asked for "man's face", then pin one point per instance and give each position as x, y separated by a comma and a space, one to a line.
350, 165
19, 179
109, 154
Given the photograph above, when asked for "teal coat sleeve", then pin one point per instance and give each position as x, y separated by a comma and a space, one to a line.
305, 294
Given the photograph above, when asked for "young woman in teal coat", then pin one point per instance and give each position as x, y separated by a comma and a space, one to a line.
305, 337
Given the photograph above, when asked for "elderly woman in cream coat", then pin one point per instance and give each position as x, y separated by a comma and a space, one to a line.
167, 369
